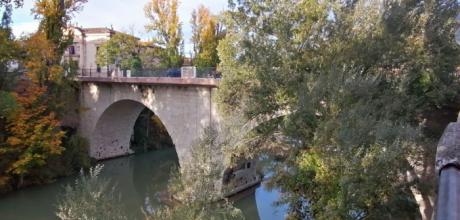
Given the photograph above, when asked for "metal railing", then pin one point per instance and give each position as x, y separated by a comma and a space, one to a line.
160, 72
94, 72
448, 167
207, 72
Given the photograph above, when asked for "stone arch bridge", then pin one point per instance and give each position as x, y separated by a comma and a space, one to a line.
110, 107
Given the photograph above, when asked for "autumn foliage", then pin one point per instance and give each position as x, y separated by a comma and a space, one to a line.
35, 133
35, 145
40, 54
207, 32
164, 23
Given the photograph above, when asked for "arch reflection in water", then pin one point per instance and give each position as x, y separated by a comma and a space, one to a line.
140, 178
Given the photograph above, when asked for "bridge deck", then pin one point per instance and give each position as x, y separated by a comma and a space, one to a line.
206, 82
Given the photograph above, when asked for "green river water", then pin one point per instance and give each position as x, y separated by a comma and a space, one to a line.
139, 179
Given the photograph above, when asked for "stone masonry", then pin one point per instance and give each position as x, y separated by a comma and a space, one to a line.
110, 110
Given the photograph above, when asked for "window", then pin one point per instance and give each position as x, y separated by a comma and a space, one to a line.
98, 68
72, 50
248, 165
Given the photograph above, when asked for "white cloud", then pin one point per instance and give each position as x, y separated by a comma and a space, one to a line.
123, 15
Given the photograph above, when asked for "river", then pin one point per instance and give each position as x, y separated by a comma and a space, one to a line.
139, 179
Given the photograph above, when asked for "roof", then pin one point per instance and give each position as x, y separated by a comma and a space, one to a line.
98, 30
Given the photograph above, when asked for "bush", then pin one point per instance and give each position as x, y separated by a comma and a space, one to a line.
91, 198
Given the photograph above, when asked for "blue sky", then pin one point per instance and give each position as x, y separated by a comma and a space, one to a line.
123, 15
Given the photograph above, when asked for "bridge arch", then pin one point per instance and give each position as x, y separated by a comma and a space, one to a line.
112, 134
109, 112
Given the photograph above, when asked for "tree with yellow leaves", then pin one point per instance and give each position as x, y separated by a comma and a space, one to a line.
39, 55
55, 16
45, 49
34, 141
165, 25
207, 32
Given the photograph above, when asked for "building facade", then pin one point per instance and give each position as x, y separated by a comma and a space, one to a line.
84, 49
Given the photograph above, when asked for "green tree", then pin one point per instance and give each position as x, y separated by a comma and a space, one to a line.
9, 52
121, 50
167, 29
206, 33
357, 79
9, 48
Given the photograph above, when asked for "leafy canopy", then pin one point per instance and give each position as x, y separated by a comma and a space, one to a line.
358, 78
122, 50
167, 29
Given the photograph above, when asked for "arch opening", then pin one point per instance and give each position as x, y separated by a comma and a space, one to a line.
120, 130
149, 133
128, 127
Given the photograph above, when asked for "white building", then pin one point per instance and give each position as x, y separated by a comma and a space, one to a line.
85, 47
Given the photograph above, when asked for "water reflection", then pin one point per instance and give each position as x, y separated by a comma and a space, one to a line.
260, 204
139, 178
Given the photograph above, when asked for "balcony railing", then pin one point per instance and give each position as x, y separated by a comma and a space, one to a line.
184, 72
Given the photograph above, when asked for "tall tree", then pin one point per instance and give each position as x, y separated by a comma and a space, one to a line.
55, 16
9, 48
356, 79
9, 52
44, 60
206, 33
167, 29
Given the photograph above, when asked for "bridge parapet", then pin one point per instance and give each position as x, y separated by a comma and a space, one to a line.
183, 72
204, 82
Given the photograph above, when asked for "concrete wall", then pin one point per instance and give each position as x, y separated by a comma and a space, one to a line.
109, 111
